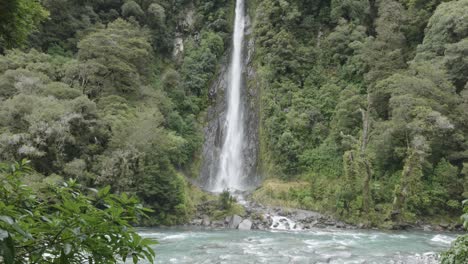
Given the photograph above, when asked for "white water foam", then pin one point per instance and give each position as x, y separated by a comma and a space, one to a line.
443, 239
283, 223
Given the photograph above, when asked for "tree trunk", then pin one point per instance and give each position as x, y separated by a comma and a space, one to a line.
365, 139
366, 188
401, 195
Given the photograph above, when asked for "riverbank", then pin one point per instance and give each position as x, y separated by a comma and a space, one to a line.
296, 194
260, 217
250, 215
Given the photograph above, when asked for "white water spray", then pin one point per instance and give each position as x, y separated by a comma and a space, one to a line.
230, 171
283, 223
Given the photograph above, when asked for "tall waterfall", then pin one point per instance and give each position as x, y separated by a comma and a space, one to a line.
230, 170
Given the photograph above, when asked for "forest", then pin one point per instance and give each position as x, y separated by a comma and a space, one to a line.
93, 93
366, 101
362, 102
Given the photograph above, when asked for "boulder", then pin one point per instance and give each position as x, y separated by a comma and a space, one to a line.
340, 225
260, 227
245, 225
299, 226
217, 224
234, 221
444, 225
196, 222
427, 228
205, 221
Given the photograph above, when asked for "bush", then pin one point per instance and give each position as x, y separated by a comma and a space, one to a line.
68, 224
226, 200
458, 253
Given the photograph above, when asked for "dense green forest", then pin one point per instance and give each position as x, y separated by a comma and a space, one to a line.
365, 101
94, 93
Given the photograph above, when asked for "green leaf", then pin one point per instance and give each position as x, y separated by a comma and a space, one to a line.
104, 191
21, 231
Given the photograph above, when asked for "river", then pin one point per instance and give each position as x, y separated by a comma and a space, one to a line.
312, 246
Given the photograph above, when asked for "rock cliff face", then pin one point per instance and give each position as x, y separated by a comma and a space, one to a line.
216, 117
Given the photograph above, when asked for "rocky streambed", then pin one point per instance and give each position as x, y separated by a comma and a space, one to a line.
260, 217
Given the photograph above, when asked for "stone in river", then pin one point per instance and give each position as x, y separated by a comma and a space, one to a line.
206, 221
245, 225
234, 221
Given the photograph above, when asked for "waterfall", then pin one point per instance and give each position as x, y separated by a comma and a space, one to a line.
230, 169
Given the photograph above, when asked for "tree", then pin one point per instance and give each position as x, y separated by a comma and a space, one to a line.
17, 20
131, 8
49, 131
447, 25
410, 181
123, 49
357, 161
445, 41
351, 10
67, 223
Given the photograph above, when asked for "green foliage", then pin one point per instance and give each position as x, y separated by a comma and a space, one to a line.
458, 252
349, 9
225, 205
108, 104
122, 51
197, 70
288, 194
18, 19
357, 94
226, 200
68, 223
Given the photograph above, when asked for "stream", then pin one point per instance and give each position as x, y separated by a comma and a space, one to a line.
192, 245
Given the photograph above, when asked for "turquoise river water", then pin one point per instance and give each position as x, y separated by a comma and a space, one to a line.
308, 246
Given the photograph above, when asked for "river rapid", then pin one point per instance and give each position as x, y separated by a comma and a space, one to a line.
206, 246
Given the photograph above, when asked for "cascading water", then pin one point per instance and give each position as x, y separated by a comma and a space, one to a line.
230, 170
283, 223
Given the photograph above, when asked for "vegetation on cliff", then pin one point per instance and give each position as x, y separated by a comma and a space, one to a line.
367, 101
96, 92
